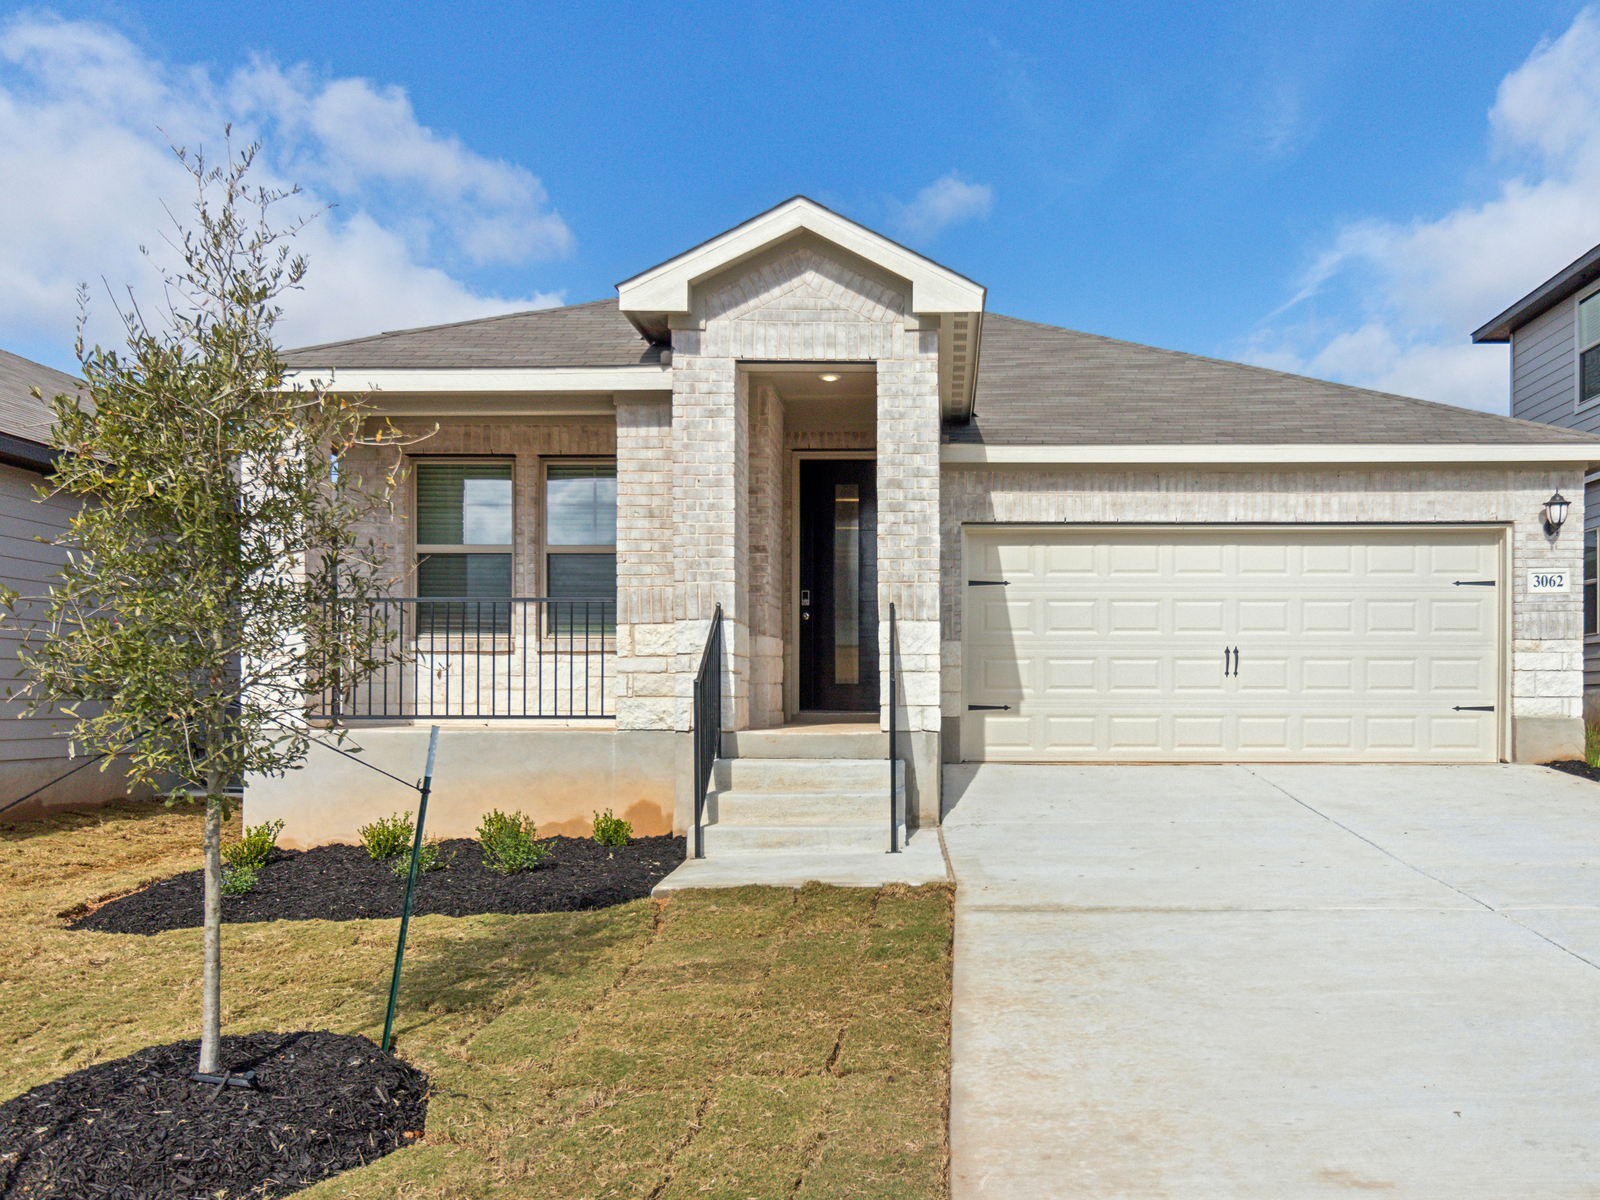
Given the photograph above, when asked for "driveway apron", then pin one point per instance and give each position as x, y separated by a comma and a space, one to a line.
1274, 981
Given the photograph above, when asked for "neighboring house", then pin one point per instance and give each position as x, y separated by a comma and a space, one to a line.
1554, 332
1094, 551
34, 750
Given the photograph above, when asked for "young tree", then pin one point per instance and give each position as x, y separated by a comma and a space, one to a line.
214, 556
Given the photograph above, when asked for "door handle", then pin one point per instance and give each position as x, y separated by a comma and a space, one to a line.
1236, 662
1234, 651
1224, 662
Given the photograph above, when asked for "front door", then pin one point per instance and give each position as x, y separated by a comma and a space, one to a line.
838, 585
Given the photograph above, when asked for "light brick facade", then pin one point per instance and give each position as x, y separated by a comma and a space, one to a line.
731, 511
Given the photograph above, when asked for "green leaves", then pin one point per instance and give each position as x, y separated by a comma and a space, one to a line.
215, 547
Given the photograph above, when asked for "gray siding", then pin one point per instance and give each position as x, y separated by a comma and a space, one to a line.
1543, 387
26, 565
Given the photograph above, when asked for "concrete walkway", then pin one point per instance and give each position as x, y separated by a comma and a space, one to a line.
1275, 982
920, 862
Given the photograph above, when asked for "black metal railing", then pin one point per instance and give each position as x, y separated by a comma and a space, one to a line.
707, 725
894, 802
452, 656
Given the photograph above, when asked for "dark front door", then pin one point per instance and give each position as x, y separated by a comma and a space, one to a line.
838, 586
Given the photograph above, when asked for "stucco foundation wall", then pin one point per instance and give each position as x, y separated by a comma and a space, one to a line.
83, 789
559, 777
1546, 650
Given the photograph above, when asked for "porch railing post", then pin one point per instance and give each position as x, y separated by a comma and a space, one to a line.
707, 718
894, 824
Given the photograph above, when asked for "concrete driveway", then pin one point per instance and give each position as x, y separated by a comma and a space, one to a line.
1275, 982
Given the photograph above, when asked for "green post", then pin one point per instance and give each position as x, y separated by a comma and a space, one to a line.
411, 890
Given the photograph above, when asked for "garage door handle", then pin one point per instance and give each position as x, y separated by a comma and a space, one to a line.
1474, 583
1235, 652
988, 583
1473, 708
988, 708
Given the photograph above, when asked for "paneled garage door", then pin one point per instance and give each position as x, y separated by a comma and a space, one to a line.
1230, 645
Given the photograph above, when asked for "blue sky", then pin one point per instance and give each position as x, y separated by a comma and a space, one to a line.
1342, 190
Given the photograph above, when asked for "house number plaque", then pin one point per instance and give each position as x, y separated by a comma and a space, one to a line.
1548, 581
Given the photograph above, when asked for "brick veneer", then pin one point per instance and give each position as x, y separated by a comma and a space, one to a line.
801, 305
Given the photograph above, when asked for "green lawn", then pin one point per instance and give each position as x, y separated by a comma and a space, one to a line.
747, 1043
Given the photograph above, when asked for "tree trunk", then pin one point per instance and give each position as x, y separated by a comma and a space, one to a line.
211, 977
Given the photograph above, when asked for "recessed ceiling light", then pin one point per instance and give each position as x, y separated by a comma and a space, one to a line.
830, 379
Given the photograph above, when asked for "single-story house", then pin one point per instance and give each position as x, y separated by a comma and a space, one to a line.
1554, 335
35, 750
1092, 551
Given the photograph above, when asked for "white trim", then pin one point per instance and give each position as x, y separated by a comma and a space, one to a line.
1276, 454
431, 380
665, 288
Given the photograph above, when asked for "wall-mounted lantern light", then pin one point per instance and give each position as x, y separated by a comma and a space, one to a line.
1555, 512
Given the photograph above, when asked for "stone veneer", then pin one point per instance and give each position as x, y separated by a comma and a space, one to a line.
1547, 630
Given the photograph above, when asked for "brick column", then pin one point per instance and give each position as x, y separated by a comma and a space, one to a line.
908, 525
645, 647
710, 520
767, 564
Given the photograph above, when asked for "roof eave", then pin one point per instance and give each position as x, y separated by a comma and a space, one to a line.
1560, 286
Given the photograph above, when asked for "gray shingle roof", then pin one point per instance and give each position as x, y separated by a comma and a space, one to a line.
20, 414
1042, 385
579, 335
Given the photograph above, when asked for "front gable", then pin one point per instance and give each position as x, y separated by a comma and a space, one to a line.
815, 274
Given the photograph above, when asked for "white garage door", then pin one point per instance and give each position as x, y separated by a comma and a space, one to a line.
1230, 645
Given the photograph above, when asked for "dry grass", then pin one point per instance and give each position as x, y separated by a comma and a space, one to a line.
749, 1043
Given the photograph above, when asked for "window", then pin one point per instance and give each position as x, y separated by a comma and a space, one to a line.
581, 543
1589, 581
1589, 349
464, 543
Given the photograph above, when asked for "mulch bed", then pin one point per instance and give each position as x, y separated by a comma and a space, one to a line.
1576, 766
139, 1127
340, 883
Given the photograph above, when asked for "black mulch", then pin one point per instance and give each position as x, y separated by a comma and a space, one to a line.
1576, 766
139, 1128
340, 883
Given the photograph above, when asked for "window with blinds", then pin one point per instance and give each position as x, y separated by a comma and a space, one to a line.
464, 535
1589, 349
581, 542
1589, 582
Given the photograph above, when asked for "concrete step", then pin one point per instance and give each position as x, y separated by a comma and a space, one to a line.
796, 808
845, 837
800, 741
790, 775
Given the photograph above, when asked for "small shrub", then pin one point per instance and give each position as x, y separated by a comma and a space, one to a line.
388, 836
508, 845
252, 850
611, 830
1591, 745
239, 879
427, 860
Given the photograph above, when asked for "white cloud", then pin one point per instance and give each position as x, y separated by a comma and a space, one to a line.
1408, 295
85, 118
945, 202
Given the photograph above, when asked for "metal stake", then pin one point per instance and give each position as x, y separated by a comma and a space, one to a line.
411, 890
